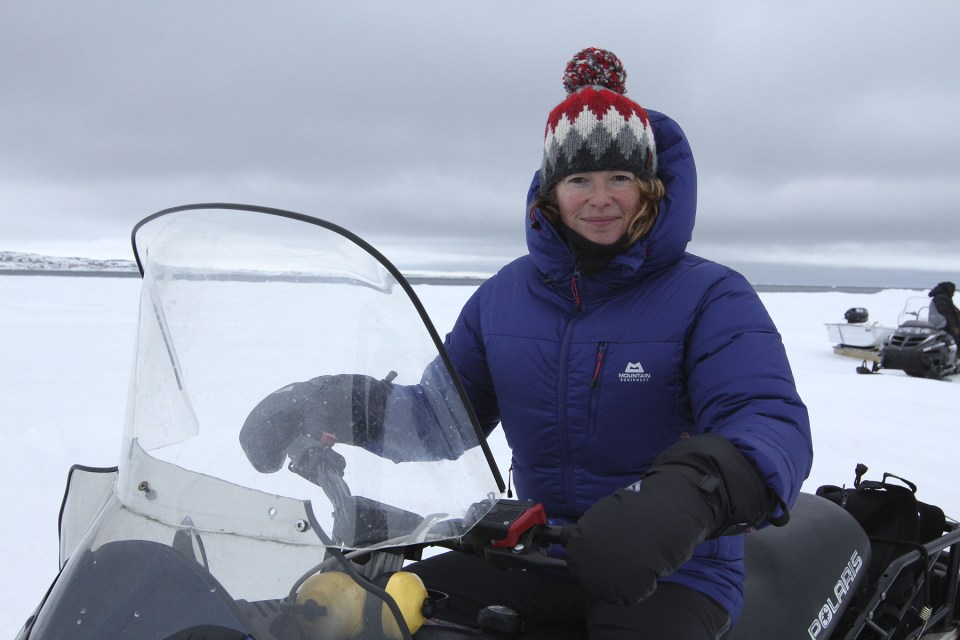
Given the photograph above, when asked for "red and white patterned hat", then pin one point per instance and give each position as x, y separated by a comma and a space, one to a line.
597, 128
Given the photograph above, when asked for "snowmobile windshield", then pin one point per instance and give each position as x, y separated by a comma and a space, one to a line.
288, 387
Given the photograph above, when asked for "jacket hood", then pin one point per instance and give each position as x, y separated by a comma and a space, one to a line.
663, 246
946, 288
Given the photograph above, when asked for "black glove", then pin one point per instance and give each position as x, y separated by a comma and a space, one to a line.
699, 488
349, 407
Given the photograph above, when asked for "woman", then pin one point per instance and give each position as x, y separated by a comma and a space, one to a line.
644, 392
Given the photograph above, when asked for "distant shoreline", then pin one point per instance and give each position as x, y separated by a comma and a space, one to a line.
412, 279
765, 277
459, 281
69, 272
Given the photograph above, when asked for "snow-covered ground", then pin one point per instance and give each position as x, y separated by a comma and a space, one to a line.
66, 346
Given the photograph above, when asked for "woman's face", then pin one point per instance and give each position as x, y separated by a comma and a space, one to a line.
598, 205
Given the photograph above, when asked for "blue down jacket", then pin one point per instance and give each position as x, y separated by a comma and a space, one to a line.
593, 377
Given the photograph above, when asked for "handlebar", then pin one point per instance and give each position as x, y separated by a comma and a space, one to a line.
516, 534
556, 534
508, 533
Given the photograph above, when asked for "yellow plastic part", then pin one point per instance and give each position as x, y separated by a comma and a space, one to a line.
343, 599
409, 593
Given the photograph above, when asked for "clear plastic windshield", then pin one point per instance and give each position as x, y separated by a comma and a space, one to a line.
287, 388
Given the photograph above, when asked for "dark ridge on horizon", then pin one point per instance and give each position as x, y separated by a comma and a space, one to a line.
454, 280
763, 277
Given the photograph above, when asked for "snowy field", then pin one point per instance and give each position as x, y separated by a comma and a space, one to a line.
66, 347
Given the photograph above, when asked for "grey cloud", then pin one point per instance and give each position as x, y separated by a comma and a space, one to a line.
421, 122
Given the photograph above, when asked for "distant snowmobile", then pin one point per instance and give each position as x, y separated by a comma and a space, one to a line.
191, 537
917, 346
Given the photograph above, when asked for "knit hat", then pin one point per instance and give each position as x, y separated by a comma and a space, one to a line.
596, 128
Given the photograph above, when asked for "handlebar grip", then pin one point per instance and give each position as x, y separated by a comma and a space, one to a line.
557, 534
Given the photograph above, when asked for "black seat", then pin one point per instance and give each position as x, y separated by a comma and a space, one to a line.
801, 577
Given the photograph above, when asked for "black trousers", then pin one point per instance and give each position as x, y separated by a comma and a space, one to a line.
553, 605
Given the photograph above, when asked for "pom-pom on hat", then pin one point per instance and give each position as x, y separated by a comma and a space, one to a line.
597, 128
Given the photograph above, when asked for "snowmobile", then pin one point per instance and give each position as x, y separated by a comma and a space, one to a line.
186, 538
917, 347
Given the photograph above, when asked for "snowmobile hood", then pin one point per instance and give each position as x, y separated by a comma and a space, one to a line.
236, 303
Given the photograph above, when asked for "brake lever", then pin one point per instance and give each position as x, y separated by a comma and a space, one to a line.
516, 533
531, 550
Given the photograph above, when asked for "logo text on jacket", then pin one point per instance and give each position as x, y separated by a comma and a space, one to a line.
634, 373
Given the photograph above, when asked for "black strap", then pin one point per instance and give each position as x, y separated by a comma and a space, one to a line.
784, 517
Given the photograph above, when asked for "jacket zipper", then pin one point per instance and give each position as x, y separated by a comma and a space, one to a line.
563, 382
601, 349
562, 390
594, 392
575, 290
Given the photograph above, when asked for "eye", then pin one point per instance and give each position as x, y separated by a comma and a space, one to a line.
575, 180
621, 177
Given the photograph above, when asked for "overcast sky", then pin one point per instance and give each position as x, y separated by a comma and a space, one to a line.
822, 130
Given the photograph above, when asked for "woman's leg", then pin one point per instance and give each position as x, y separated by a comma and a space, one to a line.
552, 601
542, 599
673, 611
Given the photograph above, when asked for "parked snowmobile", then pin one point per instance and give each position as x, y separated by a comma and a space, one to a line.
917, 347
186, 539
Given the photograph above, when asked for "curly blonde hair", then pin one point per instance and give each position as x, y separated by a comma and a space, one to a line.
651, 192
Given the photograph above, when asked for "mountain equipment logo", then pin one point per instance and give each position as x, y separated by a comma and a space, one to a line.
634, 373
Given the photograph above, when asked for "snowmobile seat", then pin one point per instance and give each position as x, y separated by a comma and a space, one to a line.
801, 577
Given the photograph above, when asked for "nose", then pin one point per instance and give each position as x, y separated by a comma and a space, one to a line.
599, 194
